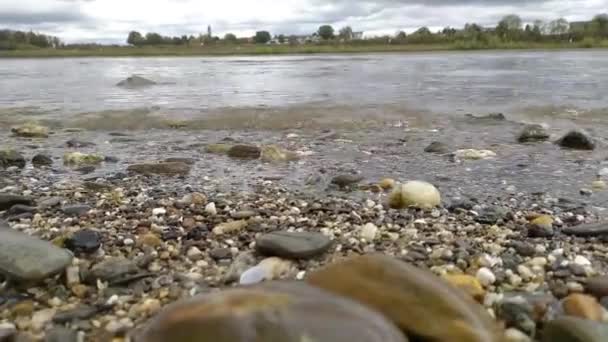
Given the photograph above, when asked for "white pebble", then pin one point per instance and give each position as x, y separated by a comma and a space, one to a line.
369, 231
485, 276
194, 253
301, 275
211, 209
159, 211
575, 287
128, 242
581, 260
525, 272
254, 275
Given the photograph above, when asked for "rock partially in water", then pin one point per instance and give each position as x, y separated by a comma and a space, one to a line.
499, 117
84, 241
472, 154
135, 82
293, 245
533, 133
285, 312
30, 130
27, 258
166, 169
578, 140
10, 158
218, 148
420, 303
9, 200
572, 329
587, 230
414, 194
41, 160
74, 143
81, 159
346, 180
245, 152
184, 160
273, 153
437, 147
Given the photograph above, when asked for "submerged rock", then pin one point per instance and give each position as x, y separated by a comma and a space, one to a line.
286, 312
41, 160
74, 143
10, 158
437, 147
533, 133
471, 154
9, 200
420, 303
81, 159
169, 169
135, 82
578, 140
27, 258
346, 180
218, 148
293, 245
272, 153
245, 152
31, 130
414, 194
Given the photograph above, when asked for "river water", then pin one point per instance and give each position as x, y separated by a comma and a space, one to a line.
395, 86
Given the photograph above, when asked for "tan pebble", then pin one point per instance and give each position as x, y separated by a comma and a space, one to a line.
188, 223
198, 199
151, 306
468, 283
583, 306
80, 290
229, 227
24, 308
150, 240
387, 183
599, 185
164, 255
276, 267
543, 221
72, 275
41, 318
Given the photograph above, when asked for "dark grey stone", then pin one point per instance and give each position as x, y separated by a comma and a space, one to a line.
437, 147
245, 152
533, 133
76, 210
60, 334
113, 269
346, 180
577, 140
84, 241
290, 245
9, 200
10, 158
42, 160
587, 230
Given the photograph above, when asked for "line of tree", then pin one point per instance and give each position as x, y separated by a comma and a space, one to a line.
10, 40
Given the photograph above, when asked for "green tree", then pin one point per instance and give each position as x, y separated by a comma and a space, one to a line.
401, 35
135, 38
326, 32
346, 33
559, 26
512, 22
281, 38
154, 38
262, 37
599, 25
230, 38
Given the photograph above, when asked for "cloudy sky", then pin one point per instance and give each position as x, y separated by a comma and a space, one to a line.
109, 21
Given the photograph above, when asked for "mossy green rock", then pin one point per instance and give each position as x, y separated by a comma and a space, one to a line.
245, 152
167, 168
271, 312
418, 302
81, 159
10, 158
218, 148
273, 153
572, 329
31, 130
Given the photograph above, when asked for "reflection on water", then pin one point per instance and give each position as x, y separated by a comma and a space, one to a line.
393, 84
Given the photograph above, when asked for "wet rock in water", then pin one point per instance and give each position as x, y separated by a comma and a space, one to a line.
597, 286
76, 210
135, 82
31, 130
587, 230
286, 312
27, 258
490, 117
218, 148
416, 194
578, 140
583, 306
84, 241
113, 269
41, 160
85, 170
272, 153
245, 152
184, 160
533, 133
541, 227
572, 329
61, 335
110, 159
437, 147
81, 159
471, 154
74, 143
9, 200
10, 158
346, 180
420, 303
304, 245
166, 169
241, 263
19, 209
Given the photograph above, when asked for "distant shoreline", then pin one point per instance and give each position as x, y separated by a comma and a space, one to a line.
257, 50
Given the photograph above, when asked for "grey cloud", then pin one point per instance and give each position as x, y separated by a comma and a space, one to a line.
35, 18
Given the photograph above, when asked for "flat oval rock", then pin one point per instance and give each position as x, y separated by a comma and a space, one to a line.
420, 303
572, 329
272, 312
293, 245
587, 230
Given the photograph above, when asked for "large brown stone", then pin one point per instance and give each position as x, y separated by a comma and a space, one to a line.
169, 169
273, 312
421, 304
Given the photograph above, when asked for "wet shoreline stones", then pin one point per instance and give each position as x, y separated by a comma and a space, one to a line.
296, 245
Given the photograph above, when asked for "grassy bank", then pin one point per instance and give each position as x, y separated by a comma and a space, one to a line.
228, 50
